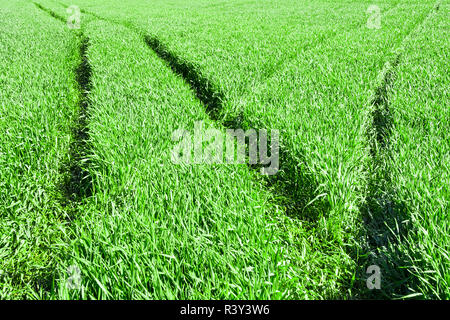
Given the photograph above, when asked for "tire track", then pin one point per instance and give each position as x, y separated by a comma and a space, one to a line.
293, 187
50, 12
382, 215
77, 182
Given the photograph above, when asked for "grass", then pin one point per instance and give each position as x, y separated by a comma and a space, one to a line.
211, 220
414, 163
37, 106
352, 189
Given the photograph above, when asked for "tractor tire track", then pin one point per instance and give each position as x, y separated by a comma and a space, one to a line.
382, 215
293, 187
77, 182
50, 12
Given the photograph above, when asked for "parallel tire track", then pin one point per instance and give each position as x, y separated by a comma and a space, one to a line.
287, 185
294, 188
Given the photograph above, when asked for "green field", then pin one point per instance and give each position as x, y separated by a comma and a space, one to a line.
93, 206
